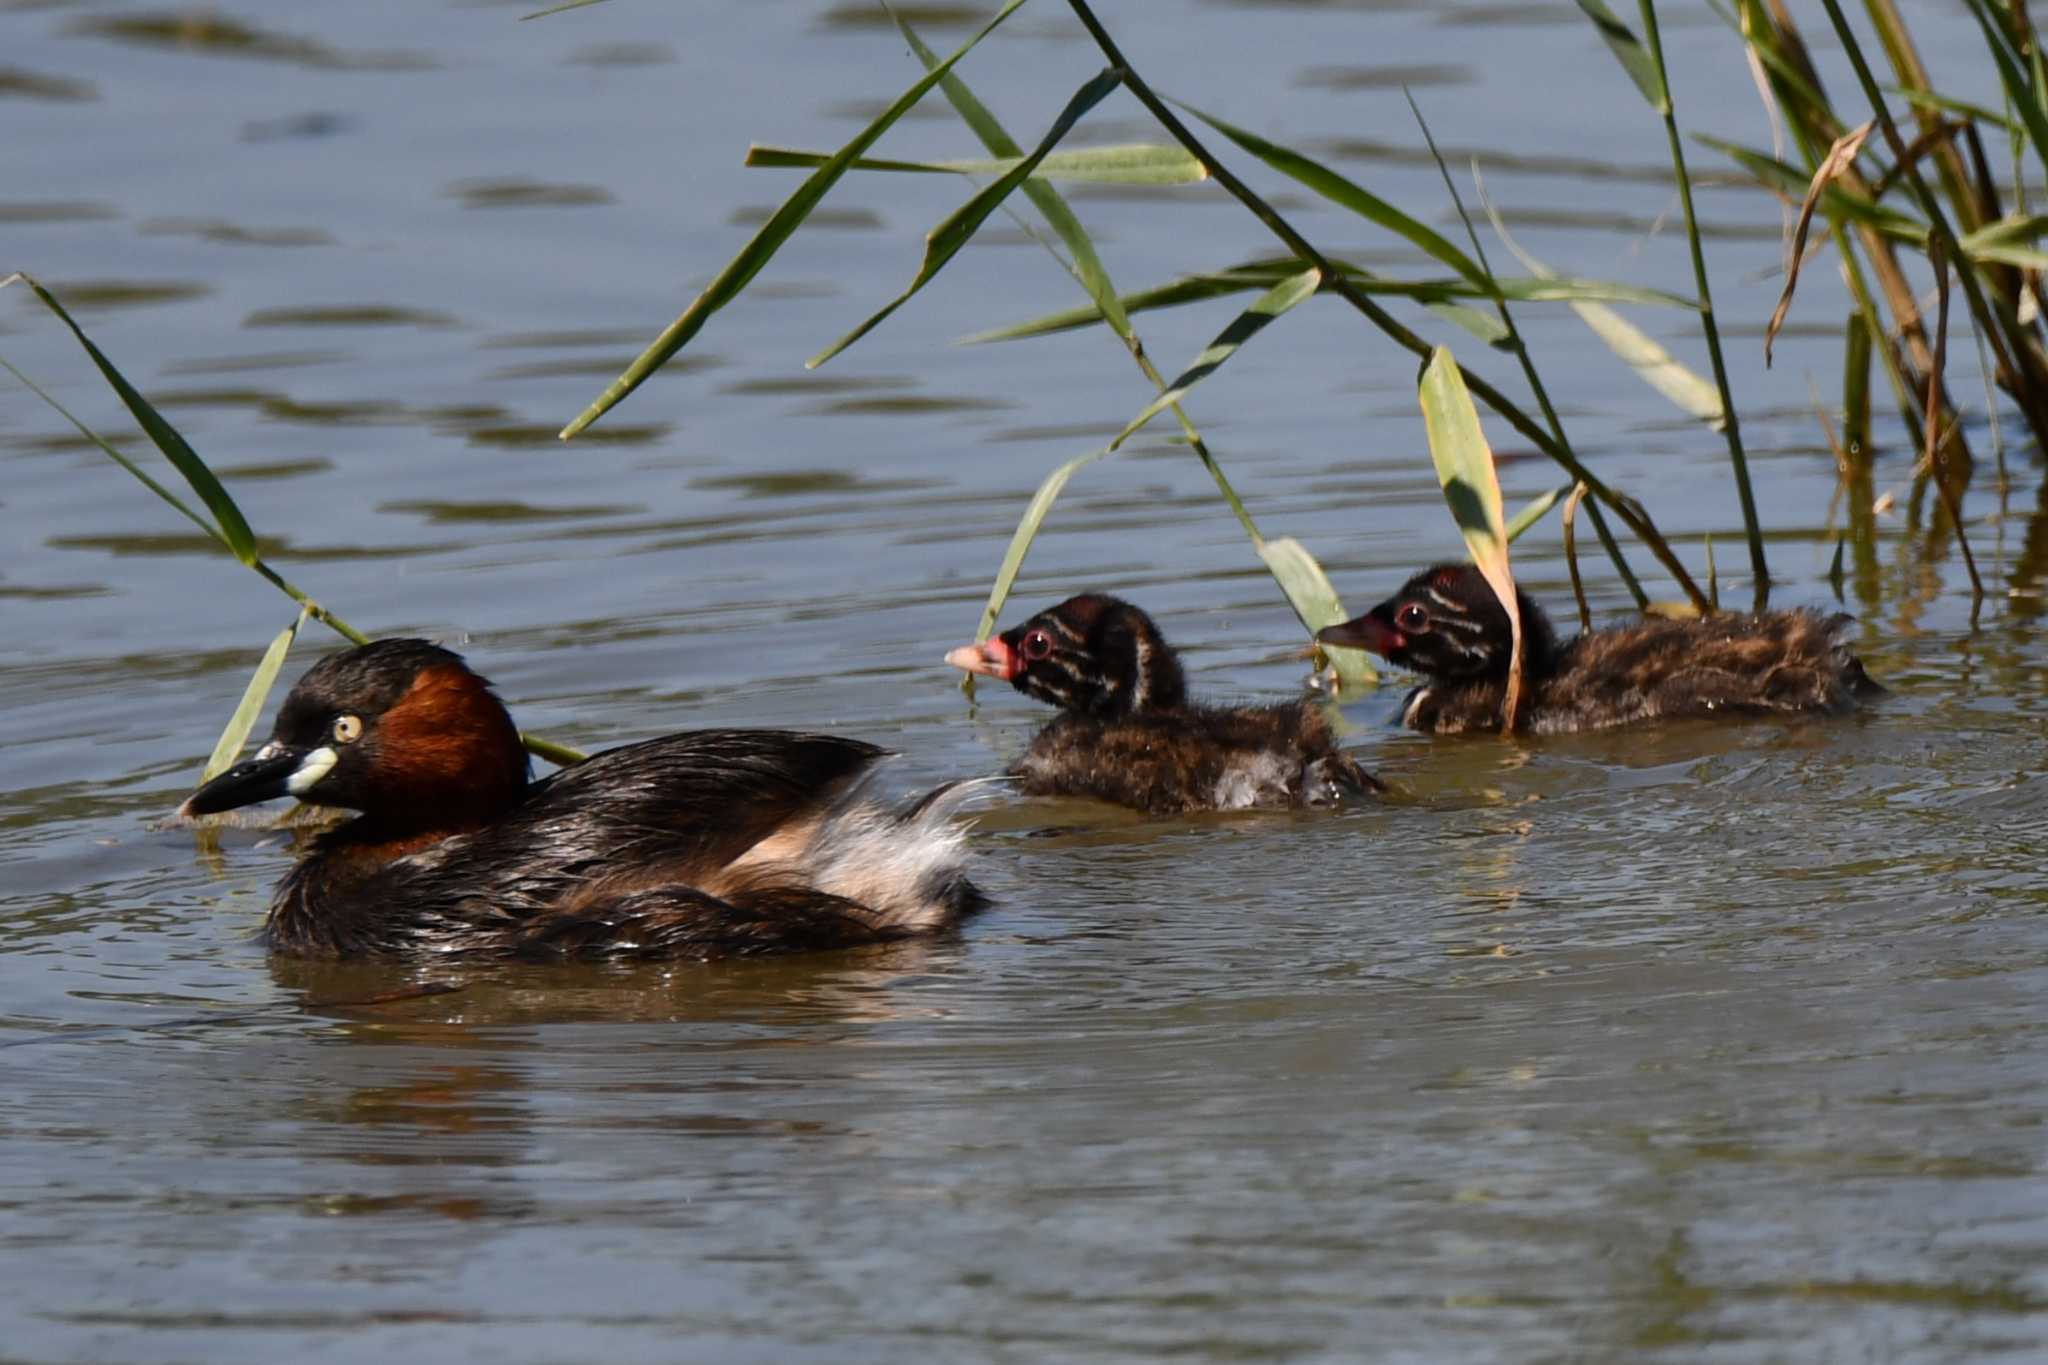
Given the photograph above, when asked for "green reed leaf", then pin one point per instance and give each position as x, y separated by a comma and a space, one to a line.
233, 530
1141, 163
1485, 327
1440, 295
250, 707
1930, 99
1347, 193
1534, 511
1464, 462
1654, 365
2027, 258
107, 446
2012, 74
1087, 263
1464, 466
1187, 289
1628, 49
766, 241
1684, 387
2007, 241
1246, 325
1027, 531
945, 240
1316, 602
562, 8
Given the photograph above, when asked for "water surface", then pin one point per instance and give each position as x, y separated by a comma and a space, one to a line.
1711, 1043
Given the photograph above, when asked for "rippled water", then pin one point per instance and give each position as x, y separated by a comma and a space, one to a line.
1709, 1043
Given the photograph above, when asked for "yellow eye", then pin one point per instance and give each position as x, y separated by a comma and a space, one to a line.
348, 729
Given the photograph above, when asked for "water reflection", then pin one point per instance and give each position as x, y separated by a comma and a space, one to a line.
547, 435
921, 13
55, 211
1383, 77
240, 364
35, 85
844, 219
852, 987
86, 297
307, 125
516, 193
233, 234
623, 54
211, 33
349, 315
502, 512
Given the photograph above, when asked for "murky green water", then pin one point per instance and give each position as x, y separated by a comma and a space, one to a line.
1711, 1043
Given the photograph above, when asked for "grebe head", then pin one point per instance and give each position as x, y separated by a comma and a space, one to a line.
400, 730
1094, 654
1447, 623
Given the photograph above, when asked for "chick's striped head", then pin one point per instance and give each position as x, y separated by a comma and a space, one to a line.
1097, 655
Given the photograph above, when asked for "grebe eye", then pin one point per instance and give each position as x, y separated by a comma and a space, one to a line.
1413, 618
1037, 645
348, 729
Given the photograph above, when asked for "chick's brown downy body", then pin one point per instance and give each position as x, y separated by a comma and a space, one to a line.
1446, 624
702, 844
1128, 733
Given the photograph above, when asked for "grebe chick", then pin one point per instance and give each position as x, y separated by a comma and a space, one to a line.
709, 843
1447, 625
1127, 732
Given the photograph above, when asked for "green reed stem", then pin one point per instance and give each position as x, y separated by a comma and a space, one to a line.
1731, 425
1630, 511
1856, 388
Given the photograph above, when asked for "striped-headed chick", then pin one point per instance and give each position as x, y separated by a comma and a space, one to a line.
1128, 734
1447, 624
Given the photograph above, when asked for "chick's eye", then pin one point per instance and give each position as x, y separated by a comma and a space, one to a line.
347, 729
1037, 645
1412, 617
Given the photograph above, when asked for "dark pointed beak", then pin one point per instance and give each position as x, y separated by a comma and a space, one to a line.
277, 770
1363, 632
991, 657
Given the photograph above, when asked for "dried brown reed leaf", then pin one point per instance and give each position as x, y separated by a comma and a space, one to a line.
1571, 554
1937, 259
1839, 158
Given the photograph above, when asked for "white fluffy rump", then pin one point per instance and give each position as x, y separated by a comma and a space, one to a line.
909, 867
